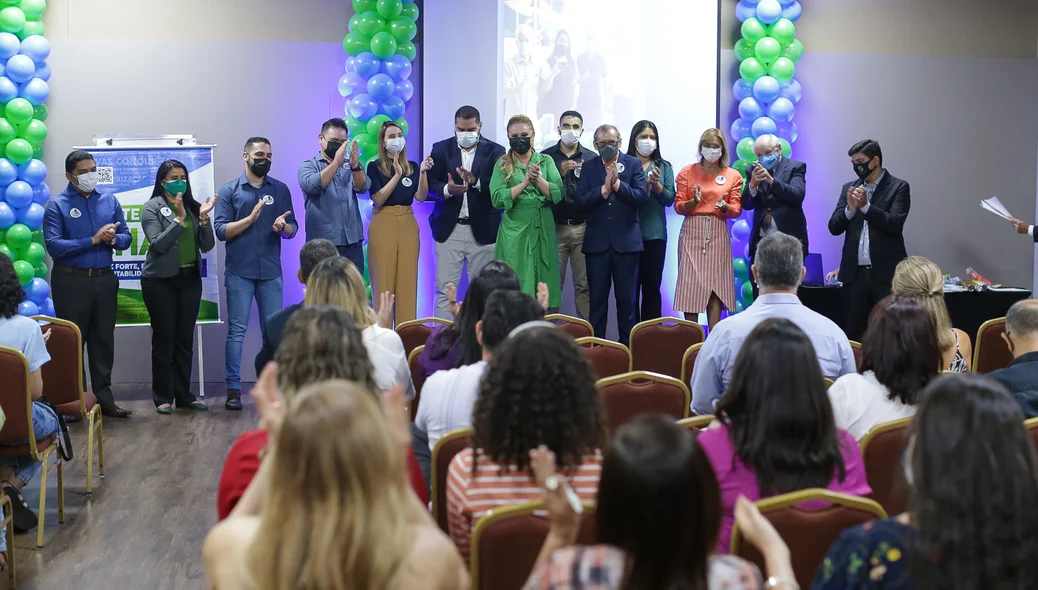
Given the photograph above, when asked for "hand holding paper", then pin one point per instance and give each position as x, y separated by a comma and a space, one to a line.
995, 206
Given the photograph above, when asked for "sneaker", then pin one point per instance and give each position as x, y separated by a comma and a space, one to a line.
233, 399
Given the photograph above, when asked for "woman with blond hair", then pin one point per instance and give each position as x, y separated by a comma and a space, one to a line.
525, 184
920, 279
330, 508
708, 193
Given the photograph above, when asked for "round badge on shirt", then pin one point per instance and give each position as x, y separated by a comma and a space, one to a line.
721, 180
620, 167
75, 213
268, 200
406, 182
165, 211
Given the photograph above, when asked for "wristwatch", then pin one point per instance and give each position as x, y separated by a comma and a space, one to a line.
357, 169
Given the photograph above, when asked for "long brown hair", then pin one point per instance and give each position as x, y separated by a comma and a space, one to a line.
385, 159
508, 160
322, 342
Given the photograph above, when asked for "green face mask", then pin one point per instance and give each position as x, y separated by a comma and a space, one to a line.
176, 187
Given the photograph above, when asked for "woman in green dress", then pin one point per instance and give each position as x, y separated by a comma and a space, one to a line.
524, 185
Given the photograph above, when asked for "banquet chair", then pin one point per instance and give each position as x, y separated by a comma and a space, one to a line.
416, 377
415, 332
828, 382
856, 348
629, 395
607, 358
16, 402
991, 352
697, 424
881, 450
575, 327
64, 389
659, 345
809, 532
1032, 429
688, 363
507, 540
443, 453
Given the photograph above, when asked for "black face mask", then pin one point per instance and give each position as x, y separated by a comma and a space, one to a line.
333, 147
862, 170
260, 167
519, 145
608, 152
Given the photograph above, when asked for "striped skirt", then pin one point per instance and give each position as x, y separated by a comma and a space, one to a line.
704, 264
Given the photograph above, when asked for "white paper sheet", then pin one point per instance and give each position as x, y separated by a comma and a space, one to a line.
988, 207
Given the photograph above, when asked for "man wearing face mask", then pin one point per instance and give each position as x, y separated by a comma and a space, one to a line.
871, 212
775, 193
1021, 336
526, 75
253, 214
464, 222
611, 190
330, 192
569, 157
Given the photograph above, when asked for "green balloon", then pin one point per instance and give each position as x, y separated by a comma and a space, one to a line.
12, 19
18, 111
37, 152
6, 251
33, 254
355, 43
355, 126
745, 150
402, 124
18, 236
375, 124
19, 151
368, 23
40, 112
794, 51
410, 11
750, 69
37, 236
33, 9
767, 50
389, 9
782, 69
32, 27
35, 132
383, 45
743, 49
783, 31
747, 292
753, 30
26, 273
741, 165
787, 150
403, 30
407, 49
366, 143
364, 5
7, 131
40, 270
741, 268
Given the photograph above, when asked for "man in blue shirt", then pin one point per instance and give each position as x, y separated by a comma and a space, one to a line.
81, 228
330, 193
253, 214
778, 268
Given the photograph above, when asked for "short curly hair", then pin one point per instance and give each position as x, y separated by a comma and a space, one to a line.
322, 342
538, 390
11, 292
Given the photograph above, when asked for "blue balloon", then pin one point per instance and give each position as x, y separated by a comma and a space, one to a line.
34, 172
393, 107
367, 64
398, 67
405, 90
363, 107
742, 89
793, 11
741, 231
47, 308
31, 216
381, 87
763, 126
740, 128
345, 88
8, 173
36, 91
781, 111
769, 11
745, 10
751, 2
9, 46
351, 64
788, 132
766, 89
36, 47
38, 291
746, 251
7, 216
28, 309
792, 91
43, 72
21, 68
41, 193
750, 109
19, 194
8, 90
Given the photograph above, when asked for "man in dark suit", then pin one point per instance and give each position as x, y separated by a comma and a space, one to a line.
872, 212
312, 253
464, 222
611, 189
775, 193
1021, 376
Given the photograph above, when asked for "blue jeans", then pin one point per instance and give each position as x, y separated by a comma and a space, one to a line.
240, 292
44, 424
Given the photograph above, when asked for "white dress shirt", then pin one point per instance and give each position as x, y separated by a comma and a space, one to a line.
467, 157
860, 402
864, 246
386, 352
447, 400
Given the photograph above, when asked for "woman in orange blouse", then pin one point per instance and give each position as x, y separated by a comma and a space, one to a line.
708, 193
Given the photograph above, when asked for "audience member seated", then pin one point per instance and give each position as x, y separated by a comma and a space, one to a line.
657, 518
900, 356
312, 253
777, 433
24, 335
922, 280
1021, 376
330, 507
320, 343
778, 270
538, 390
973, 521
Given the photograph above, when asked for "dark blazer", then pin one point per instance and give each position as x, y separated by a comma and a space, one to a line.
1021, 379
274, 325
784, 199
613, 222
483, 217
163, 258
887, 214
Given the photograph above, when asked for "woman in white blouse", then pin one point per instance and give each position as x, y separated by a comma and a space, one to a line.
900, 355
336, 281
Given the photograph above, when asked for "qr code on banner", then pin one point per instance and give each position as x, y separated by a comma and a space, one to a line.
105, 175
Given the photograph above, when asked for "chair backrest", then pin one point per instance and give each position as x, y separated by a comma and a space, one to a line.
881, 450
828, 382
856, 348
808, 532
697, 424
417, 377
415, 332
15, 398
507, 540
688, 363
575, 327
659, 345
641, 392
443, 453
1032, 428
990, 352
607, 358
63, 375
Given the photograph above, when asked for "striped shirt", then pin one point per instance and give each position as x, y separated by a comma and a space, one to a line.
468, 498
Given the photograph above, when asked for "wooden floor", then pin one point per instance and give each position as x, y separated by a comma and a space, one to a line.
144, 525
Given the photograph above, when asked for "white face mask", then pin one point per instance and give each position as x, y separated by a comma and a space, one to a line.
467, 139
646, 147
570, 137
395, 145
711, 155
87, 182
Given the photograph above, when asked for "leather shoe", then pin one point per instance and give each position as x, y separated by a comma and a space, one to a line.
114, 411
73, 418
233, 399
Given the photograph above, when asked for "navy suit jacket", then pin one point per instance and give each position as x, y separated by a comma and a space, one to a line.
613, 222
483, 217
888, 211
784, 199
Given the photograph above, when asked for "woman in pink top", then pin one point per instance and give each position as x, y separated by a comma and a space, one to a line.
778, 434
708, 193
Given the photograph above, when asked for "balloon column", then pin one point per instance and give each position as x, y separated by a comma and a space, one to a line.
23, 192
767, 92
